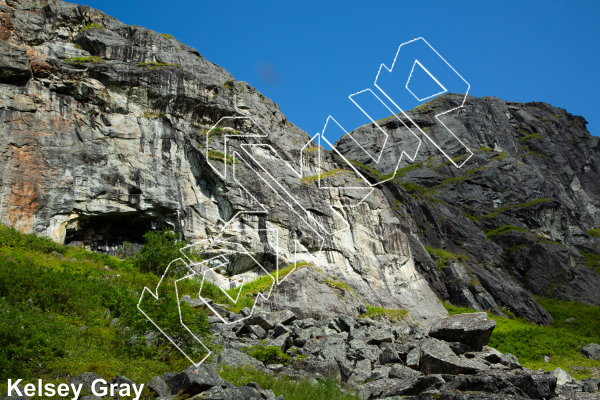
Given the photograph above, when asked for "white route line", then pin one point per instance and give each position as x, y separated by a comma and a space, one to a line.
438, 115
289, 200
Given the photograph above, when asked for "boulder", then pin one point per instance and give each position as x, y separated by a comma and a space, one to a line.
235, 358
474, 329
158, 387
592, 351
414, 386
562, 377
403, 372
438, 358
389, 355
362, 372
194, 380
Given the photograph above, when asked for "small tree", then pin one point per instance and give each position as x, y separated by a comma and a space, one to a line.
160, 249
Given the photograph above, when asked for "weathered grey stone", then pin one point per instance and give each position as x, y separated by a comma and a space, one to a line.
403, 372
380, 335
473, 330
257, 330
14, 63
414, 386
362, 371
511, 361
194, 380
14, 395
158, 387
562, 377
413, 358
265, 321
389, 355
236, 358
438, 358
592, 351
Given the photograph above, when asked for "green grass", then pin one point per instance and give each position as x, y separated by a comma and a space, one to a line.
228, 84
561, 341
82, 60
508, 207
544, 119
308, 179
413, 189
523, 131
51, 291
592, 261
152, 115
537, 135
287, 387
89, 25
249, 290
442, 256
467, 174
557, 116
595, 232
486, 149
502, 230
218, 156
170, 37
156, 65
392, 314
448, 162
218, 132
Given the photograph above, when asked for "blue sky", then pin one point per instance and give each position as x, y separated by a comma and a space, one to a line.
309, 56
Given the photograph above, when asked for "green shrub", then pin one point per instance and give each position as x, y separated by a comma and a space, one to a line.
160, 249
595, 232
267, 354
55, 314
10, 237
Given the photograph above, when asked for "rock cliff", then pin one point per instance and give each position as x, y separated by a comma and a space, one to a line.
108, 131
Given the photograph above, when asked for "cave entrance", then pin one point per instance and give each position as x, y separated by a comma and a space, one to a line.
106, 233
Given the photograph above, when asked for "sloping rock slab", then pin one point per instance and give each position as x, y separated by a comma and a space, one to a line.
235, 358
534, 386
414, 386
471, 329
438, 358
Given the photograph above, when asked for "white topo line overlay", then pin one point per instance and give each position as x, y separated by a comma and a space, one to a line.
203, 269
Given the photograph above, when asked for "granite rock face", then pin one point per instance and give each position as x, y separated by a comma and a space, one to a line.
108, 133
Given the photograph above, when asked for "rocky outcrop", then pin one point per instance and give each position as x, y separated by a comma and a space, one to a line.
473, 330
107, 133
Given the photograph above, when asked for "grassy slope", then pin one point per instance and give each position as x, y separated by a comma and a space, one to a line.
53, 315
561, 341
